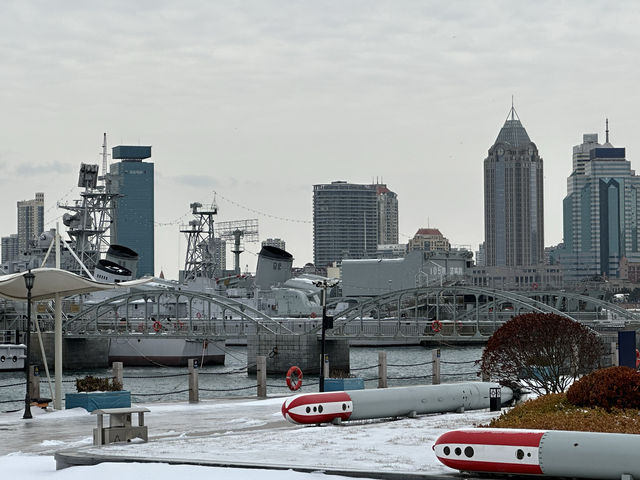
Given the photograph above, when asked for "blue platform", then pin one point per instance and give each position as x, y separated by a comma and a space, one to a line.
91, 401
342, 384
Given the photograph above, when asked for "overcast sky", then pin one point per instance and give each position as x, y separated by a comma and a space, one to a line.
260, 100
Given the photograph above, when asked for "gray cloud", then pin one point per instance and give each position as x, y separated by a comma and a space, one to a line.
195, 180
40, 169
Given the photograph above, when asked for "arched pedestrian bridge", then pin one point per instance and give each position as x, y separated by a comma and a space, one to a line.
455, 313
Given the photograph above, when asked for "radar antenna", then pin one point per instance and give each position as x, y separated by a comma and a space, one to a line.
239, 230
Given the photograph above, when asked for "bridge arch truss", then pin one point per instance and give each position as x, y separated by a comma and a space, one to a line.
170, 312
463, 305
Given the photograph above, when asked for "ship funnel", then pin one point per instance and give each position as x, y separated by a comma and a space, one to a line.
274, 267
110, 272
125, 257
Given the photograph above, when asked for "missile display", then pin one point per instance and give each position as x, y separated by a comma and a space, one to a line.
552, 453
335, 407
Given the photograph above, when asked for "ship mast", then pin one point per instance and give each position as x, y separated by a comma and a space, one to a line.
202, 258
90, 218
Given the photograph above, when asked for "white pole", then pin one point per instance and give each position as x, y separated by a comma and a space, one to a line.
57, 402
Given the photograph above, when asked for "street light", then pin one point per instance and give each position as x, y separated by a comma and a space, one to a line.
327, 322
28, 282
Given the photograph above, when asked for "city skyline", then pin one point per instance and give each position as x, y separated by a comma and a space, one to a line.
260, 101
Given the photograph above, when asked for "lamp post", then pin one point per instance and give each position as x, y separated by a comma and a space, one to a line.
28, 281
327, 322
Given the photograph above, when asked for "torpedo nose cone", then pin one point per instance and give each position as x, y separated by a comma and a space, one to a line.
313, 408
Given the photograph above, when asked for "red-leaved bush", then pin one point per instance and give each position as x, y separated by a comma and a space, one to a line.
614, 387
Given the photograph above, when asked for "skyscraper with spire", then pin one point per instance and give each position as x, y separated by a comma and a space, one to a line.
600, 212
513, 198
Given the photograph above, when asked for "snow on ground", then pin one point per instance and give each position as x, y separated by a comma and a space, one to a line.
24, 467
228, 431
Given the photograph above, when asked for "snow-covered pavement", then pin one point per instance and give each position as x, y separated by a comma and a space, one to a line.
229, 431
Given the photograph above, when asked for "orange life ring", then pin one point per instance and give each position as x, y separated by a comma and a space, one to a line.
637, 358
534, 285
436, 326
313, 315
157, 326
199, 315
298, 373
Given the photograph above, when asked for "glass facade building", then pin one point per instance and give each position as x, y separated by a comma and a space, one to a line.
600, 212
345, 222
133, 226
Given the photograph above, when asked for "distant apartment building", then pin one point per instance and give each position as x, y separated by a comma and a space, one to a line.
601, 214
10, 250
552, 254
481, 258
535, 277
387, 215
632, 271
133, 225
513, 198
274, 242
30, 221
429, 240
346, 220
219, 255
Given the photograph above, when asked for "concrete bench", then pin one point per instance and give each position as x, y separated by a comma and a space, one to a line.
120, 428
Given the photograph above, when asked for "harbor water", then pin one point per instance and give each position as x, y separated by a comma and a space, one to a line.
405, 366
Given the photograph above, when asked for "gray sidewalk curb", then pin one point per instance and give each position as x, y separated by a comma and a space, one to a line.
76, 457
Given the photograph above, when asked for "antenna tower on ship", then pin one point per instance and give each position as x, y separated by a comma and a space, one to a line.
90, 218
203, 258
105, 164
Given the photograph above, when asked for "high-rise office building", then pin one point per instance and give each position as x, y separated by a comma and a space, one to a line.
600, 212
30, 221
387, 215
345, 222
10, 249
132, 180
513, 198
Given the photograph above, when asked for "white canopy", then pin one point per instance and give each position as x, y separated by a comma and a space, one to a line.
51, 281
55, 283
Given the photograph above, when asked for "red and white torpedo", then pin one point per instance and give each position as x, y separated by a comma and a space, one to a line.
335, 407
552, 453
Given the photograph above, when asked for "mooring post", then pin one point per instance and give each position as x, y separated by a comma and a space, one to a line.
117, 372
193, 382
34, 382
261, 374
435, 376
382, 369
